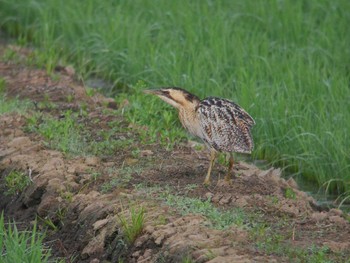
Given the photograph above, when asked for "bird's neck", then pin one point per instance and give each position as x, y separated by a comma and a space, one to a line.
189, 119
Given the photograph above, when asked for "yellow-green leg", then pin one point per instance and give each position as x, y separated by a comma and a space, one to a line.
212, 160
230, 166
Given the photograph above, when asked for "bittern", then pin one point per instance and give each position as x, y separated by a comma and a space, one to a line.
222, 124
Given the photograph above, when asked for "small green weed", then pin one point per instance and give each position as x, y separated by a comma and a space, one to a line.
187, 259
90, 91
46, 103
318, 254
161, 220
219, 219
2, 85
16, 182
221, 159
70, 98
21, 246
73, 138
109, 143
270, 241
135, 153
95, 176
132, 225
63, 134
49, 223
108, 146
11, 104
14, 105
61, 214
290, 194
274, 199
67, 196
121, 181
210, 254
10, 55
191, 187
33, 121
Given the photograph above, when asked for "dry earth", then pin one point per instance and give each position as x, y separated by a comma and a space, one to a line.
87, 219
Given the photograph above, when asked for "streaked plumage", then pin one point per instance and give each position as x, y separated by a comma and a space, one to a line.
222, 124
226, 125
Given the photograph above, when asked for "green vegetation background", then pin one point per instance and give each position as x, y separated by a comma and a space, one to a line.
286, 62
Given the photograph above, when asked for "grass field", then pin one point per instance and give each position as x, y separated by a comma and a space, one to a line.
286, 62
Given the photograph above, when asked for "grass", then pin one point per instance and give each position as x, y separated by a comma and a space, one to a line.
270, 237
63, 134
160, 122
108, 143
187, 259
273, 242
117, 182
16, 182
286, 62
70, 135
132, 225
290, 194
218, 218
11, 104
21, 246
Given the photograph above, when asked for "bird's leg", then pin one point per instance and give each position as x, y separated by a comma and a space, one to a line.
230, 166
212, 160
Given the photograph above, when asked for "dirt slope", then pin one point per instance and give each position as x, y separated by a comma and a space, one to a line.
278, 220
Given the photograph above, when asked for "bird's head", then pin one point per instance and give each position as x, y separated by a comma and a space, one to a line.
177, 97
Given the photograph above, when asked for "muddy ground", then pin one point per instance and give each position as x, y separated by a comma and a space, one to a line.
279, 222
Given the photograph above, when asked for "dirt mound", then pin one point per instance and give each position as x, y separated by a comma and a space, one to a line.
69, 196
60, 88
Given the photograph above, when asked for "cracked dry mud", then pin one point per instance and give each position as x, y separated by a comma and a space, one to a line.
87, 218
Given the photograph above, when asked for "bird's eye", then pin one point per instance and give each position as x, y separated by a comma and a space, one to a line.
166, 93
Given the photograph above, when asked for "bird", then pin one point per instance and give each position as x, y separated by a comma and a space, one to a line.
221, 124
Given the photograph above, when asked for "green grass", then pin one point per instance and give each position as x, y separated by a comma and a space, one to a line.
16, 182
270, 237
161, 124
116, 182
70, 135
21, 246
11, 104
132, 226
290, 194
219, 219
63, 134
273, 242
187, 259
286, 62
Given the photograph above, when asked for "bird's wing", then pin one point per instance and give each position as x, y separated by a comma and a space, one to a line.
225, 125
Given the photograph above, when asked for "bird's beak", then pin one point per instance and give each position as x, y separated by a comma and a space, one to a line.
163, 94
153, 91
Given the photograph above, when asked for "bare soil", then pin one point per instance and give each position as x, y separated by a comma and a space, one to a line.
87, 221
